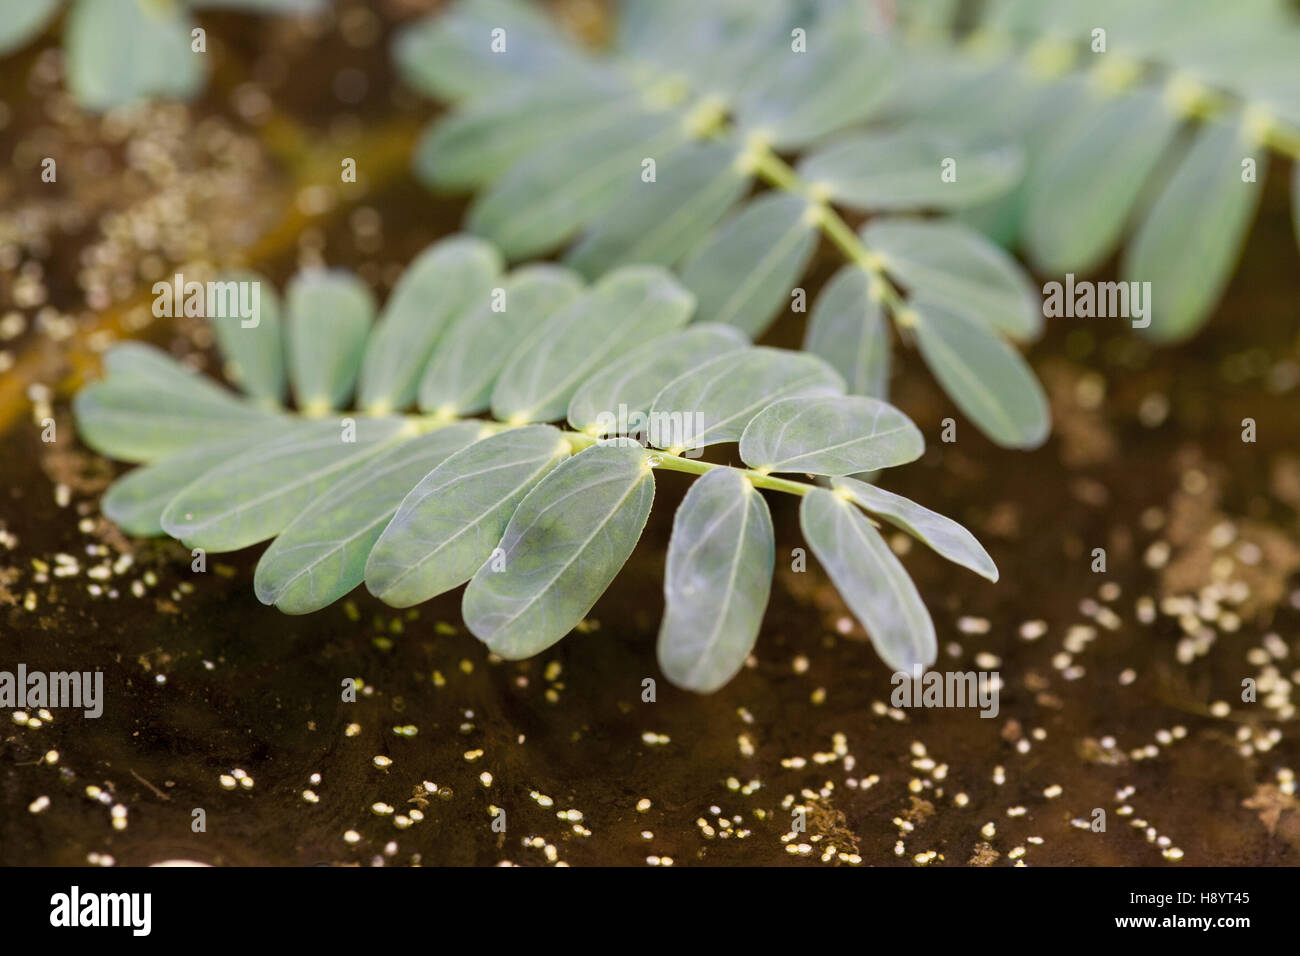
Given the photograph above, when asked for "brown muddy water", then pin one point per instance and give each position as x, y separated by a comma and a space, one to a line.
1121, 690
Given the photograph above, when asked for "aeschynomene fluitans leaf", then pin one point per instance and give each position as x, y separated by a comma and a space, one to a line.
254, 348
944, 535
563, 546
445, 279
539, 521
720, 561
830, 435
848, 329
451, 521
329, 318
870, 579
322, 554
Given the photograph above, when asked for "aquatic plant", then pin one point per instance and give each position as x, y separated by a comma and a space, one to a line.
648, 154
479, 486
121, 51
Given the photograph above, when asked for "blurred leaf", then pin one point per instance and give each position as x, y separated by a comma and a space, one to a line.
662, 221
120, 51
549, 195
830, 435
984, 375
322, 554
904, 169
945, 536
152, 406
451, 55
723, 395
135, 502
450, 522
800, 97
254, 354
743, 274
23, 22
459, 377
848, 329
953, 264
1085, 184
1190, 241
562, 548
329, 317
633, 380
719, 575
450, 276
632, 304
871, 580
268, 7
254, 496
478, 144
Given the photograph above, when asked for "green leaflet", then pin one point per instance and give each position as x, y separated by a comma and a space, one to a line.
449, 523
548, 196
119, 51
459, 377
830, 435
800, 97
744, 272
136, 501
660, 222
630, 383
1084, 185
951, 263
254, 496
479, 143
254, 354
945, 536
723, 395
23, 22
322, 554
871, 580
910, 168
329, 317
986, 377
719, 575
152, 406
562, 548
452, 54
847, 328
442, 282
1191, 239
632, 304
